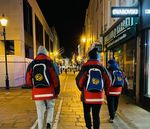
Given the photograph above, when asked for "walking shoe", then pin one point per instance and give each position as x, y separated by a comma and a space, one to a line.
111, 120
48, 126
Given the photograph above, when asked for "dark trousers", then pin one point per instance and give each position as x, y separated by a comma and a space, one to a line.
95, 115
112, 103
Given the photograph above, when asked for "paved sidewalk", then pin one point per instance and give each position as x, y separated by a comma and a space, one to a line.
17, 109
71, 115
134, 116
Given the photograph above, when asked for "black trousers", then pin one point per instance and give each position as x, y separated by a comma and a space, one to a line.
112, 103
95, 115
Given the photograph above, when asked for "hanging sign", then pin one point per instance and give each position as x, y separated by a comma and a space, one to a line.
124, 11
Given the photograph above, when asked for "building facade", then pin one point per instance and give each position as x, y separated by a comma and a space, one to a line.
125, 39
27, 29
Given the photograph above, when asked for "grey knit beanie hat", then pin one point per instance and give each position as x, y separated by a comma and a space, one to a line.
42, 50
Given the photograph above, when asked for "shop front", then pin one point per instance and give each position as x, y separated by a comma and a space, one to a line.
120, 42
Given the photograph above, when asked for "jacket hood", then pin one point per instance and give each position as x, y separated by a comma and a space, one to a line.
42, 56
113, 64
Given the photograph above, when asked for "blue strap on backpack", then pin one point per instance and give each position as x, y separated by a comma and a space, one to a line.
95, 80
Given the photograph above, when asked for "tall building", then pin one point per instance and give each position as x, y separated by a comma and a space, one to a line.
27, 29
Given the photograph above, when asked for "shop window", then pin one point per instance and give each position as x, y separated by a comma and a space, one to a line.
125, 57
130, 51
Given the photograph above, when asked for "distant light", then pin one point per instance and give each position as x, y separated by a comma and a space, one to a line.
3, 21
83, 40
124, 11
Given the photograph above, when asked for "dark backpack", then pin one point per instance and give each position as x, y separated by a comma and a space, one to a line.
40, 75
95, 80
118, 80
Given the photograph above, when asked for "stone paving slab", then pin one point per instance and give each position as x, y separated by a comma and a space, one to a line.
17, 109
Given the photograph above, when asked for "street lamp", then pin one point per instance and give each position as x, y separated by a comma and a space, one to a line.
3, 23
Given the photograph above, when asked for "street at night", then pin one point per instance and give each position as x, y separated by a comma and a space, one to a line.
74, 64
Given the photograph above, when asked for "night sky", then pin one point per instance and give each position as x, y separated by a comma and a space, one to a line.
67, 16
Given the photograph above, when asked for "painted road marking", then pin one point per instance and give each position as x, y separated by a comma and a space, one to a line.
34, 125
55, 125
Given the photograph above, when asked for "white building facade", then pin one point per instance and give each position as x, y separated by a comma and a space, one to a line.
26, 30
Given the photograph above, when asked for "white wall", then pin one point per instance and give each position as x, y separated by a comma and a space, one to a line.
16, 70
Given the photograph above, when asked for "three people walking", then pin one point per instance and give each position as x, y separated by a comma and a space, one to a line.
93, 80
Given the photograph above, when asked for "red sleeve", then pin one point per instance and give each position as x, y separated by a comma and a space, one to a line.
82, 80
107, 80
28, 77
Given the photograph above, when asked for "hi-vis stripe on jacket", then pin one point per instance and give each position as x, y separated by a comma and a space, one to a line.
48, 92
81, 80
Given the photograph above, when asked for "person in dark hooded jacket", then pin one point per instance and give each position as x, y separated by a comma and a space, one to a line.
113, 92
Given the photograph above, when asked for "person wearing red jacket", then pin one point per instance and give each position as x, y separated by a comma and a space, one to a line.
114, 91
43, 92
92, 99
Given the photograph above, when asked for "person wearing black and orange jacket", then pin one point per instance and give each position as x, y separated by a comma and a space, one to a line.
44, 97
113, 93
92, 100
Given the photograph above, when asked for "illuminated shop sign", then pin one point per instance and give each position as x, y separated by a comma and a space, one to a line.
124, 12
125, 29
147, 11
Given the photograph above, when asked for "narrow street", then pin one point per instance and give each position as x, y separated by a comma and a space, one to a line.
71, 115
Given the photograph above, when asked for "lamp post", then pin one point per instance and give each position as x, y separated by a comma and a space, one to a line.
3, 22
